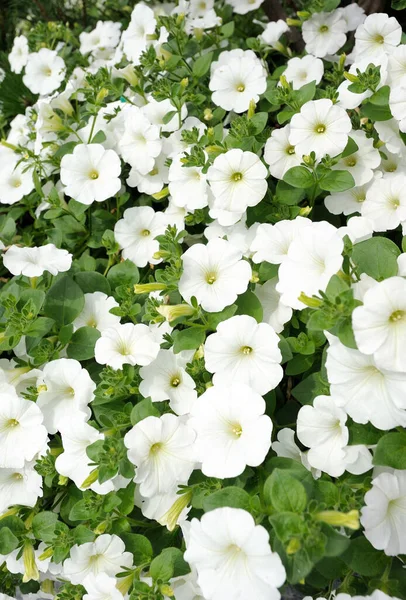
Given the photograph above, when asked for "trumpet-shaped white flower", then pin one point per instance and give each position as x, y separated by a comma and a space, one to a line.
300, 71
397, 104
232, 557
156, 114
162, 449
100, 586
272, 242
136, 233
15, 182
126, 344
397, 67
320, 127
274, 312
136, 38
22, 433
347, 202
19, 486
237, 77
380, 324
279, 153
105, 555
140, 143
385, 202
245, 351
379, 34
214, 274
166, 379
19, 54
384, 516
322, 428
32, 262
66, 389
187, 185
91, 173
232, 429
242, 7
153, 181
324, 33
363, 161
273, 31
96, 312
44, 71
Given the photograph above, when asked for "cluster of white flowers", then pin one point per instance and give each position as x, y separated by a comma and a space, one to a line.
201, 329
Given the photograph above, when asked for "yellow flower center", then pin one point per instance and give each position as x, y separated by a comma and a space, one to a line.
320, 128
246, 350
379, 39
240, 87
155, 448
236, 430
211, 278
12, 423
323, 29
236, 176
175, 381
145, 232
397, 315
93, 174
290, 150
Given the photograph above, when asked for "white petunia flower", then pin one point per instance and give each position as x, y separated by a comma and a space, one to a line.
19, 54
380, 324
22, 433
385, 202
361, 163
230, 552
136, 233
166, 379
275, 313
397, 104
273, 31
300, 71
163, 451
187, 185
347, 202
44, 72
137, 37
320, 127
245, 351
214, 274
353, 15
104, 37
15, 182
32, 262
279, 153
322, 428
140, 143
91, 173
242, 7
105, 555
364, 391
19, 486
156, 112
286, 447
126, 344
96, 312
153, 181
389, 134
100, 586
232, 429
358, 229
384, 516
237, 77
397, 67
272, 242
66, 389
378, 34
324, 33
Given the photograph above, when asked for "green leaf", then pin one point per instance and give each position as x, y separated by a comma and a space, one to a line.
284, 492
83, 535
398, 4
142, 410
327, 493
170, 563
376, 112
139, 546
232, 496
82, 343
376, 257
287, 194
305, 93
287, 525
362, 558
259, 121
202, 64
336, 543
365, 434
169, 116
125, 273
310, 387
40, 327
91, 281
391, 450
299, 177
64, 301
43, 526
213, 319
188, 339
337, 181
8, 541
350, 148
99, 138
249, 304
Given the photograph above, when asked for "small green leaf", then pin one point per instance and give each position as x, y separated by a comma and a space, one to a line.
202, 64
64, 301
249, 304
391, 451
125, 273
170, 563
142, 410
337, 181
363, 559
91, 281
299, 177
82, 343
8, 541
43, 526
139, 546
284, 492
188, 339
232, 496
376, 257
350, 148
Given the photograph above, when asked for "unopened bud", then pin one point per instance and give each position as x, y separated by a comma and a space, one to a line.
30, 567
162, 194
207, 115
254, 277
305, 210
284, 82
311, 302
293, 22
101, 95
147, 288
251, 109
170, 518
174, 312
92, 478
101, 528
185, 82
62, 480
350, 77
124, 583
339, 519
166, 590
293, 546
46, 554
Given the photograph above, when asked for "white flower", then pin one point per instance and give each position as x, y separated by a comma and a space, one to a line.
91, 173
380, 324
348, 202
272, 32
140, 143
96, 312
353, 15
237, 77
166, 379
362, 162
300, 71
214, 274
66, 389
237, 180
275, 313
389, 134
232, 429
385, 202
100, 586
245, 351
321, 428
19, 54
156, 111
314, 256
15, 182
397, 104
187, 185
350, 100
19, 377
74, 462
320, 127
44, 71
358, 229
136, 233
104, 36
364, 391
163, 508
242, 7
126, 344
32, 262
279, 153
153, 181
272, 242
232, 555
379, 34
384, 516
397, 67
22, 433
162, 449
19, 130
324, 33
19, 486
105, 555
135, 38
